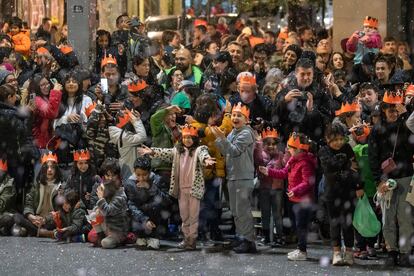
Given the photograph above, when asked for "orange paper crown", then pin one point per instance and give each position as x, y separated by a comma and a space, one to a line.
270, 133
246, 79
42, 51
3, 165
137, 86
393, 98
123, 119
294, 142
89, 109
81, 155
371, 22
409, 90
348, 107
189, 131
239, 107
65, 49
108, 60
283, 34
49, 157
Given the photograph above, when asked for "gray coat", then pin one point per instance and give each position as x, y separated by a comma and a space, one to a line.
115, 212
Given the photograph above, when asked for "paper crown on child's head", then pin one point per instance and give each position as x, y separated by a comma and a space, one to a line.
49, 157
371, 22
189, 131
81, 155
294, 142
108, 60
243, 109
366, 130
42, 51
348, 107
247, 79
284, 33
393, 97
123, 118
3, 165
137, 86
66, 49
410, 90
270, 133
89, 109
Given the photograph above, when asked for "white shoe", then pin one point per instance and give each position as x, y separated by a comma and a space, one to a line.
297, 255
141, 242
337, 258
153, 243
349, 258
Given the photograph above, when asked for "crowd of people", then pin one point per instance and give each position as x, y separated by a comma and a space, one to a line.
158, 136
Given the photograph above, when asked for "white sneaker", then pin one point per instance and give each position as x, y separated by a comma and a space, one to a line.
297, 255
141, 242
349, 258
153, 243
337, 258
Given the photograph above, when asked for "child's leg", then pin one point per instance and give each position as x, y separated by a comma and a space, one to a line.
277, 211
194, 211
265, 202
20, 220
334, 214
346, 223
184, 205
303, 215
244, 220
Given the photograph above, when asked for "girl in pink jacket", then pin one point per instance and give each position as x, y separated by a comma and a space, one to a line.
300, 172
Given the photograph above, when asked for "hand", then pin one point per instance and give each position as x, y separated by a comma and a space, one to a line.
73, 118
144, 150
100, 191
133, 116
189, 119
150, 225
62, 230
217, 132
401, 109
208, 86
382, 187
174, 109
309, 102
354, 166
57, 87
40, 43
290, 194
359, 193
264, 170
292, 94
210, 161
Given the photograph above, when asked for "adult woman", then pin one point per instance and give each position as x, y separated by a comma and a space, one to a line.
291, 55
176, 77
336, 61
384, 69
47, 106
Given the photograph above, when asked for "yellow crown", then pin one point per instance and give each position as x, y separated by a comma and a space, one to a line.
49, 157
108, 60
81, 155
348, 107
189, 131
123, 119
246, 79
270, 133
294, 142
243, 109
89, 109
137, 86
371, 22
3, 165
393, 97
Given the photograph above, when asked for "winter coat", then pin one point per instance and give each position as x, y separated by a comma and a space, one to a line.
238, 149
46, 111
209, 141
146, 204
260, 107
34, 198
21, 44
127, 143
300, 173
162, 137
173, 156
7, 195
354, 45
74, 221
115, 212
261, 158
82, 183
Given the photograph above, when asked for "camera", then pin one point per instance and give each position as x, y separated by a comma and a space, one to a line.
359, 131
303, 97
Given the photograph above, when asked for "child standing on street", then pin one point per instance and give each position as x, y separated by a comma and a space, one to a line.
187, 180
300, 172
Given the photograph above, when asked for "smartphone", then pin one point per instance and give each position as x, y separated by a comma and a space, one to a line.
104, 85
54, 81
32, 96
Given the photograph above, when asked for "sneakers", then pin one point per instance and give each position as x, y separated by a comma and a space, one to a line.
153, 243
297, 255
141, 242
348, 258
246, 247
337, 258
278, 242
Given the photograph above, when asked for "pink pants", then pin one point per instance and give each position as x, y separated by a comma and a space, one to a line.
189, 210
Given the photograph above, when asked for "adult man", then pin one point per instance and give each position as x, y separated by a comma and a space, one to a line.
236, 53
43, 32
306, 36
269, 40
389, 46
212, 33
200, 38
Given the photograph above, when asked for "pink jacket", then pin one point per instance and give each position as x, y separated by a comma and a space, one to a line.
261, 158
46, 112
374, 41
300, 172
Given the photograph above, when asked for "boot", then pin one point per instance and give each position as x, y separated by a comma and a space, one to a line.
266, 236
43, 233
191, 244
246, 247
392, 258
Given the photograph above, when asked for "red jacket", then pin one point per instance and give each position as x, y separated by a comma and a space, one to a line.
300, 172
46, 112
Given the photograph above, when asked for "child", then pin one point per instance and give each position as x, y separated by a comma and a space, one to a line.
187, 180
110, 170
365, 41
300, 172
7, 200
342, 184
266, 153
349, 115
238, 149
20, 39
70, 221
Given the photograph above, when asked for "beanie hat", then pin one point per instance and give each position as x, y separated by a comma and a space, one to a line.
3, 75
295, 48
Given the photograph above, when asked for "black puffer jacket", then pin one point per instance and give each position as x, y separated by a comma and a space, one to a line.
83, 183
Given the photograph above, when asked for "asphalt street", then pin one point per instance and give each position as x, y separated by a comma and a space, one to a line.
35, 256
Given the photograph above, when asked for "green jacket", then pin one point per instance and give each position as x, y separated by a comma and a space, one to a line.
34, 198
7, 195
162, 137
197, 73
74, 221
361, 154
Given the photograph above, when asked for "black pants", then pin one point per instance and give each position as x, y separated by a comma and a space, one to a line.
340, 212
6, 223
302, 216
209, 219
271, 202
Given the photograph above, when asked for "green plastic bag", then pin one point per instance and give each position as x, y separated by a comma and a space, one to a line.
365, 221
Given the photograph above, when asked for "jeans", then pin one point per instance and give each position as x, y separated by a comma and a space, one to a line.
271, 202
302, 212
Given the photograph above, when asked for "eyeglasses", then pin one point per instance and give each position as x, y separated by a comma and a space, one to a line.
11, 80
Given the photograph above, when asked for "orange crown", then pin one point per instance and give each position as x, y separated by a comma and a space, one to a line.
123, 119
409, 90
3, 165
294, 142
393, 97
246, 79
137, 86
348, 107
108, 60
283, 34
364, 135
189, 131
65, 49
42, 51
239, 107
89, 109
371, 22
81, 155
270, 133
49, 157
